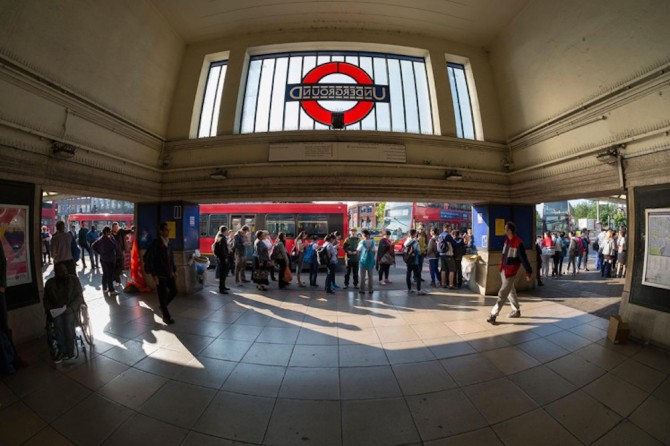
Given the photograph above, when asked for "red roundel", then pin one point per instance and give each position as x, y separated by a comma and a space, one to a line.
324, 116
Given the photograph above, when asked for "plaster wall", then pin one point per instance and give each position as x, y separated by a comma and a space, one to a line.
555, 55
122, 55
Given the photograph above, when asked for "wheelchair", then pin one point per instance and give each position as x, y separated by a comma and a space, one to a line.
83, 333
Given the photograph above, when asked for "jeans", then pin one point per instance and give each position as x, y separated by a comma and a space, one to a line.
330, 277
223, 273
413, 268
366, 274
64, 325
240, 266
84, 248
313, 272
458, 272
434, 271
167, 290
384, 271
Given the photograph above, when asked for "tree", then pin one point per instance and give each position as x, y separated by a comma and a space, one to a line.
379, 213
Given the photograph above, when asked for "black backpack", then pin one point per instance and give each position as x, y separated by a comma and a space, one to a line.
218, 249
459, 248
408, 253
443, 245
323, 256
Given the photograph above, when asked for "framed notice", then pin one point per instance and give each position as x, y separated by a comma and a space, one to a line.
656, 270
14, 236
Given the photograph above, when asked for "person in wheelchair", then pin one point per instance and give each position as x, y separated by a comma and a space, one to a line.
62, 298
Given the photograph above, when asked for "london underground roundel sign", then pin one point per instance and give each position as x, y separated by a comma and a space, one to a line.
311, 91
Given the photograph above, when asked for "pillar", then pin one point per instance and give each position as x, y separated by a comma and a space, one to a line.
488, 229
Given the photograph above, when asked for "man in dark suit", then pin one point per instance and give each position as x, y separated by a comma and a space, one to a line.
159, 262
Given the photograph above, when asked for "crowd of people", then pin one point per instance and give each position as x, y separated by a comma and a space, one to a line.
610, 248
363, 257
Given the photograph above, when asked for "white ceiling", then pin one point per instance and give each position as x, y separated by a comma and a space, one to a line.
473, 22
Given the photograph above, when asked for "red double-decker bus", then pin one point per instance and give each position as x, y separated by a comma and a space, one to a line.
291, 218
401, 217
49, 215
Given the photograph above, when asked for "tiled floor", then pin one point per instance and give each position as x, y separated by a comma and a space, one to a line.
297, 367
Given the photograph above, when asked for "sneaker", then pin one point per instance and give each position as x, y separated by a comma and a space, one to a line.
421, 293
382, 282
346, 287
515, 314
388, 281
59, 358
410, 291
491, 319
168, 320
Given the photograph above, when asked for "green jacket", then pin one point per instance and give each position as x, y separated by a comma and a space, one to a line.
350, 245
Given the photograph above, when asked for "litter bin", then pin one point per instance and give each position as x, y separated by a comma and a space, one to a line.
201, 265
468, 266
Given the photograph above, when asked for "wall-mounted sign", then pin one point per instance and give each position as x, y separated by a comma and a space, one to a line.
657, 249
14, 235
316, 89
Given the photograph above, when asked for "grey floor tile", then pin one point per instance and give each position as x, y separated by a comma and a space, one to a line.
131, 352
197, 439
443, 414
368, 382
499, 400
616, 394
511, 359
97, 372
246, 417
314, 383
626, 434
568, 340
48, 436
92, 420
255, 379
542, 384
143, 430
352, 355
652, 416
662, 392
535, 428
315, 356
268, 354
655, 358
206, 372
449, 347
279, 335
601, 356
300, 422
589, 332
178, 403
407, 352
227, 349
238, 332
423, 377
575, 369
18, 423
638, 374
377, 422
543, 350
583, 416
481, 437
56, 398
132, 388
471, 369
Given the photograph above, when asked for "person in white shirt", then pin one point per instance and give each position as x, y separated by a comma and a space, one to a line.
622, 248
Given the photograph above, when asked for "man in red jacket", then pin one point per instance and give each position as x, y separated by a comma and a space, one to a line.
513, 255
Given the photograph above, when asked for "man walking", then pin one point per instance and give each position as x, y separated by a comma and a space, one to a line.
61, 248
411, 253
220, 250
82, 239
159, 262
513, 255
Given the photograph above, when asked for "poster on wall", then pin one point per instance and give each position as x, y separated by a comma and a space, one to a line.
14, 223
656, 271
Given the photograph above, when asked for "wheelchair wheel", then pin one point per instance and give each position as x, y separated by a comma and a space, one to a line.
85, 325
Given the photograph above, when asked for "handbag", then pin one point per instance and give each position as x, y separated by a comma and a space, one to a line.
547, 251
259, 275
287, 274
387, 259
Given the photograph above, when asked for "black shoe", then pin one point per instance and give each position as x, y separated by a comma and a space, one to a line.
330, 292
226, 288
223, 291
168, 320
491, 320
515, 314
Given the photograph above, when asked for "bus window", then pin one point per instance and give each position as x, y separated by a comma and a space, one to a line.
216, 220
276, 223
204, 222
313, 225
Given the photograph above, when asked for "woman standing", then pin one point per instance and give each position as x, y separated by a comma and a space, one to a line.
299, 249
609, 251
261, 261
366, 261
573, 252
433, 256
385, 257
281, 259
547, 253
107, 247
46, 245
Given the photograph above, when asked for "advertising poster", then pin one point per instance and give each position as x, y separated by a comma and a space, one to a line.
14, 233
656, 270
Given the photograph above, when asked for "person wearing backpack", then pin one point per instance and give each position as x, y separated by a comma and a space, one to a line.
331, 257
459, 252
365, 250
585, 251
385, 257
311, 259
91, 237
220, 250
241, 242
411, 253
105, 246
350, 247
445, 244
